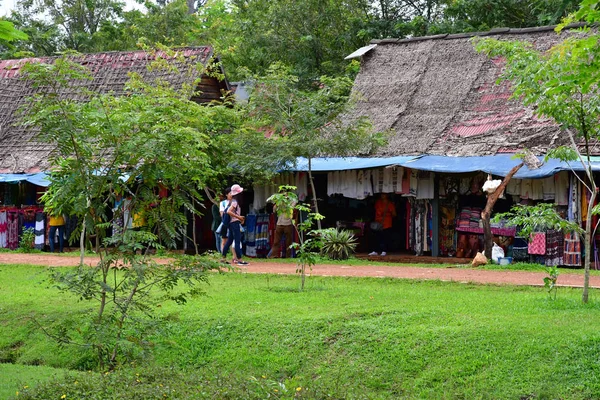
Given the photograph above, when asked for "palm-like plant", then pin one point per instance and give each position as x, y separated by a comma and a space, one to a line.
338, 245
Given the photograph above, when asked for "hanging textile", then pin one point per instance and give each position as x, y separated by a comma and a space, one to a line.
12, 230
388, 180
572, 250
561, 187
520, 247
419, 226
573, 211
554, 248
514, 187
377, 180
549, 188
363, 184
405, 185
40, 230
414, 182
585, 200
537, 189
526, 190
251, 220
425, 185
537, 244
3, 229
302, 185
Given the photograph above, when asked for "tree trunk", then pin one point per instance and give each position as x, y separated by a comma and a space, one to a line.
314, 192
82, 243
191, 5
487, 211
588, 239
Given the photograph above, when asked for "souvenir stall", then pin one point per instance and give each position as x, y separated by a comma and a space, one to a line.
20, 209
261, 220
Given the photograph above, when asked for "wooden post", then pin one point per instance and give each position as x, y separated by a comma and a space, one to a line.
487, 211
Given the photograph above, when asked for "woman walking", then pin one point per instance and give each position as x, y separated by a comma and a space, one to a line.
235, 226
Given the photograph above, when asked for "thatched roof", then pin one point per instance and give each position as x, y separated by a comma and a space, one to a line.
20, 152
439, 96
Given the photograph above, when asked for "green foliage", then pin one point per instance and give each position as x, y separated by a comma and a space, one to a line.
27, 241
550, 280
310, 240
8, 32
337, 244
530, 219
110, 148
561, 84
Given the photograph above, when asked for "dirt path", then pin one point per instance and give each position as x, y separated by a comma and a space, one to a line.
444, 274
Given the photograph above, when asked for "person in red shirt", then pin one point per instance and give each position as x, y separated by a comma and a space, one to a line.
385, 211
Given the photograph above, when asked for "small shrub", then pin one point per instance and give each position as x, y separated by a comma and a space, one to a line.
337, 245
27, 242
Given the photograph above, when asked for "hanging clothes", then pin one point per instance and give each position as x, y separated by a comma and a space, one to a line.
12, 230
302, 185
514, 187
425, 185
40, 230
405, 185
572, 250
573, 211
526, 190
3, 230
561, 188
519, 251
537, 244
549, 188
554, 248
388, 181
414, 182
537, 189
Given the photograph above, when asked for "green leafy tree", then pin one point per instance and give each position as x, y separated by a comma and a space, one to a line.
167, 23
307, 123
69, 24
114, 154
309, 240
8, 32
561, 84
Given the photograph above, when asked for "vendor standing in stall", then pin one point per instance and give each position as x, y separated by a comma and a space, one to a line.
385, 211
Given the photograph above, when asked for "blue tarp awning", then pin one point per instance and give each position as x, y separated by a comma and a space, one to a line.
499, 164
345, 163
40, 178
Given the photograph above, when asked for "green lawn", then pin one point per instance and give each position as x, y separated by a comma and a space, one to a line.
341, 338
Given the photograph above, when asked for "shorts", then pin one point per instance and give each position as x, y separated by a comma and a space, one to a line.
224, 232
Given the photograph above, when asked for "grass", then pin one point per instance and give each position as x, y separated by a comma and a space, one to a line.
340, 338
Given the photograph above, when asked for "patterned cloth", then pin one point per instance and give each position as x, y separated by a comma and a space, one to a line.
520, 249
3, 228
572, 253
554, 248
537, 245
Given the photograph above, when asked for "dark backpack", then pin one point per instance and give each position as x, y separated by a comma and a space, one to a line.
226, 217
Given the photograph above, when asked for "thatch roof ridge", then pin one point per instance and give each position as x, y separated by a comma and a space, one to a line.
20, 152
439, 96
494, 31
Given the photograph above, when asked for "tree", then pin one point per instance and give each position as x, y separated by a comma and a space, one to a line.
561, 84
166, 23
307, 123
77, 21
8, 32
114, 156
